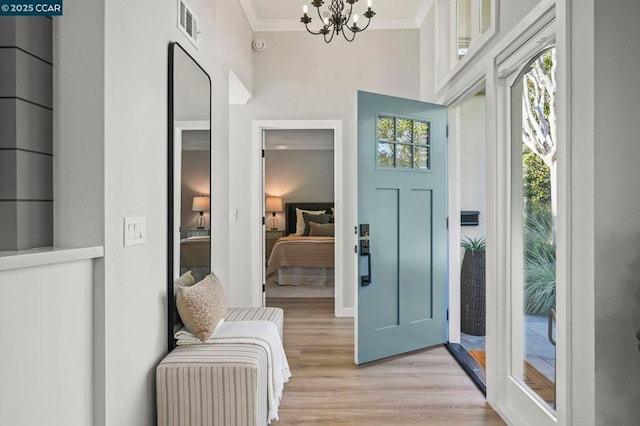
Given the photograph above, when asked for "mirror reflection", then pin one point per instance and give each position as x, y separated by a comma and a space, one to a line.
192, 167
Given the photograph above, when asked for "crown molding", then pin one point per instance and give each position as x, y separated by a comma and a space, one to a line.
267, 25
250, 13
423, 12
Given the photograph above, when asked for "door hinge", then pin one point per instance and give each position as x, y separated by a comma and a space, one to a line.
447, 131
447, 223
263, 153
264, 288
447, 315
355, 249
264, 220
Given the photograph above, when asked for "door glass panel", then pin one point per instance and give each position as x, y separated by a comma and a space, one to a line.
534, 230
386, 154
404, 156
421, 132
404, 130
421, 158
386, 129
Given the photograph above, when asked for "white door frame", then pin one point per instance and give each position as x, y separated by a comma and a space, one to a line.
257, 201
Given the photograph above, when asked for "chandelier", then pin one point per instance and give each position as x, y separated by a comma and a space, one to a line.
336, 19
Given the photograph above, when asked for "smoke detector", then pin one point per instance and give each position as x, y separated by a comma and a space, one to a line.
259, 45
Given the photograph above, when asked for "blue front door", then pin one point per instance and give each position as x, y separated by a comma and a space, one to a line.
402, 176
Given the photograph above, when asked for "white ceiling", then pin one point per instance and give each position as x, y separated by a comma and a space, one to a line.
284, 15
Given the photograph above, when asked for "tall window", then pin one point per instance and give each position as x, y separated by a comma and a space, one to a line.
534, 212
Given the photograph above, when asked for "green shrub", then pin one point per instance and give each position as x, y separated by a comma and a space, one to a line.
540, 261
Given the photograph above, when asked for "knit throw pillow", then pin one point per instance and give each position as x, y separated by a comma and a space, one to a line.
202, 306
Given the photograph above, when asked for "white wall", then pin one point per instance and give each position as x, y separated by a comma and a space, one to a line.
617, 201
298, 76
113, 86
299, 176
46, 369
472, 163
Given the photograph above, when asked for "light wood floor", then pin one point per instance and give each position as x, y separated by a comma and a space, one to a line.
424, 388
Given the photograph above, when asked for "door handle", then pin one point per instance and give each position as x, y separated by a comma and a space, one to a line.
365, 250
552, 319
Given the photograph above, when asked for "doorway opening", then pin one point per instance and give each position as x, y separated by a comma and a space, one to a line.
300, 206
284, 222
468, 213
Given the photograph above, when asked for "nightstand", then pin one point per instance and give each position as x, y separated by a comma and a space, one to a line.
271, 236
195, 232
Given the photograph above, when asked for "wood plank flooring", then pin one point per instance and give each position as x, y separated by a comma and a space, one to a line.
422, 388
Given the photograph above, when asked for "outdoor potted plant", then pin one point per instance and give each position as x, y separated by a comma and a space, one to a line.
473, 288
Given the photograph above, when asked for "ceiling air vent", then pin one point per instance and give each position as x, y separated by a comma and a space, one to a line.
188, 23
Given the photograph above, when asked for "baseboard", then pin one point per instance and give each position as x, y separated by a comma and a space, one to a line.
346, 313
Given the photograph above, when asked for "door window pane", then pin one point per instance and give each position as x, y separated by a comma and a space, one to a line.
421, 158
421, 132
403, 143
404, 156
386, 129
404, 132
386, 154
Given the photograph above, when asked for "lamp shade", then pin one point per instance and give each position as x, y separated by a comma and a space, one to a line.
274, 204
201, 204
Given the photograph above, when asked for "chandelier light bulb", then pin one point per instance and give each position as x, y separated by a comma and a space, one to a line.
369, 3
326, 21
355, 19
305, 9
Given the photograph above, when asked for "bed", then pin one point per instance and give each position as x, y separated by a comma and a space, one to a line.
195, 256
298, 260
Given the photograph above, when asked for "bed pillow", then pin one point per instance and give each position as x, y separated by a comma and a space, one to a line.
300, 219
202, 306
316, 218
321, 229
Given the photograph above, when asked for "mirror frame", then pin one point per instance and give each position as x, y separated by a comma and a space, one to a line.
171, 305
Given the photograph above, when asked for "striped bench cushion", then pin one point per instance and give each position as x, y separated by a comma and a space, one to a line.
275, 315
213, 385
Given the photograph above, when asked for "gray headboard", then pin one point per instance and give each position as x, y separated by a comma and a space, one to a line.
290, 210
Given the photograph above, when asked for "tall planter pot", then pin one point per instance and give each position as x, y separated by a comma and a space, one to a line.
473, 293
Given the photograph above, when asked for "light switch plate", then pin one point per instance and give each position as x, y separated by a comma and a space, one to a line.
233, 215
135, 231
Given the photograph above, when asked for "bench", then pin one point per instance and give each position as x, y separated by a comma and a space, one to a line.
220, 384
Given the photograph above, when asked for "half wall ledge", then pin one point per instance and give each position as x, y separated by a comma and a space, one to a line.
47, 256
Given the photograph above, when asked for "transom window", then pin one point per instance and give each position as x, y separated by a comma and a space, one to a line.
403, 143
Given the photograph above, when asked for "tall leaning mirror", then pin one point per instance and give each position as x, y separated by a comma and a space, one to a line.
189, 183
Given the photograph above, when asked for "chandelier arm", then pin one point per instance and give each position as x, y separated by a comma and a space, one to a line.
330, 38
320, 15
365, 27
353, 35
311, 32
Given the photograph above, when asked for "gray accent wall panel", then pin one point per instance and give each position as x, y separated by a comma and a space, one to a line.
35, 224
8, 228
32, 34
8, 176
25, 77
25, 126
34, 172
